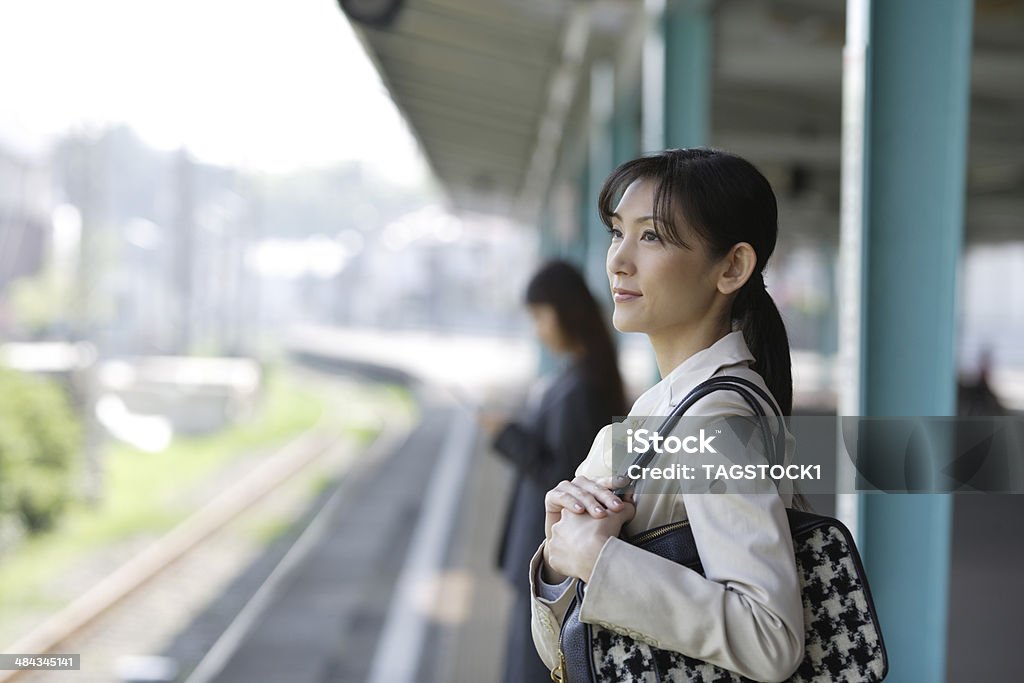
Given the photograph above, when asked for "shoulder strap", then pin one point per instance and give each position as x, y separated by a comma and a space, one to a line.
732, 379
741, 386
777, 444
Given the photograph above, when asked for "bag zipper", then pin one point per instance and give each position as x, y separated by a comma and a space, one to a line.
558, 673
651, 534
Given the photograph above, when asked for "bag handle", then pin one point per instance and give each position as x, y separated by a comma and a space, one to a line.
742, 387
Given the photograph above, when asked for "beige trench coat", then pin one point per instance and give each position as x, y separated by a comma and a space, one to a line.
747, 614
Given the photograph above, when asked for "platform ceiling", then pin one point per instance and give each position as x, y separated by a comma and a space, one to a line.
496, 90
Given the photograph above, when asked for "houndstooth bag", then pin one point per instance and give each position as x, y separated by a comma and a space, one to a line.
843, 639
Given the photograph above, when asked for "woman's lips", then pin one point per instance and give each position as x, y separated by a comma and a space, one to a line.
623, 295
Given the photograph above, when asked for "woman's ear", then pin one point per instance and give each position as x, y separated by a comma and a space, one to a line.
736, 267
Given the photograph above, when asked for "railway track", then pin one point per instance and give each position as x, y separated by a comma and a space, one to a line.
215, 557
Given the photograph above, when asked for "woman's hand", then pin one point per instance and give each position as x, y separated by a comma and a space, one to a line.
581, 495
576, 540
584, 498
491, 422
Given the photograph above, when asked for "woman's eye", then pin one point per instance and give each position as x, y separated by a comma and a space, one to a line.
650, 236
615, 233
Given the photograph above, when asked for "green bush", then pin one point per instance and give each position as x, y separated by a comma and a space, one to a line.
39, 440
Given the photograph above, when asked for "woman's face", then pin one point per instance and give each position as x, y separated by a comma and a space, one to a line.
545, 324
659, 288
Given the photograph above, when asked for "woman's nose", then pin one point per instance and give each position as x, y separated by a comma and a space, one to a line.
620, 260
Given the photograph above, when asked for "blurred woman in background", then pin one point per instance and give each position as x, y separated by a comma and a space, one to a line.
562, 416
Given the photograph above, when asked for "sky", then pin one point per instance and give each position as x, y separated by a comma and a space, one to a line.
274, 85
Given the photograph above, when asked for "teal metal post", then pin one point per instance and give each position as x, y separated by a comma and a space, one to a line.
687, 26
918, 73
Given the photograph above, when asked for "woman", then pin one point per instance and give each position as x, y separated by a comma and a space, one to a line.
558, 429
690, 232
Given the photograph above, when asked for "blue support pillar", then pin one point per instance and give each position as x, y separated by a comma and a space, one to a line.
918, 72
687, 26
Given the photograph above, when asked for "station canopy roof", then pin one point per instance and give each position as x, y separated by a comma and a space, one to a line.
496, 92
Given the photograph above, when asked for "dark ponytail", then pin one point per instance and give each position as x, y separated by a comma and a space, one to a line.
765, 333
724, 200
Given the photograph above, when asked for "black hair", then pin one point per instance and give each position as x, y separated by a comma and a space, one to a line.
561, 285
723, 199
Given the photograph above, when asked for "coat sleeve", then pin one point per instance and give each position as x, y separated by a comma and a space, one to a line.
745, 614
547, 615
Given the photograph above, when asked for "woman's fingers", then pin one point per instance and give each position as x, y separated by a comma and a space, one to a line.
628, 510
571, 496
614, 482
601, 490
561, 497
617, 482
583, 494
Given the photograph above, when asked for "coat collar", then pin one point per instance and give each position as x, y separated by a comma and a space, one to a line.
729, 350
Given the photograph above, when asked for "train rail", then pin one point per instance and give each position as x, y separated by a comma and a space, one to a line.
172, 569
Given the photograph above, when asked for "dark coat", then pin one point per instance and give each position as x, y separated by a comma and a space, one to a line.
545, 447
